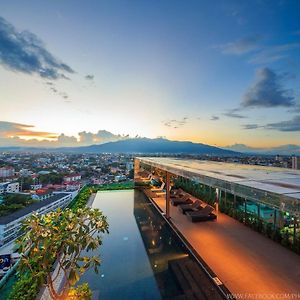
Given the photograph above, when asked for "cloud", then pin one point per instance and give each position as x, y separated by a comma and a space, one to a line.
175, 123
269, 54
65, 140
214, 118
64, 95
296, 109
89, 77
250, 126
242, 46
259, 53
102, 136
267, 91
23, 135
23, 51
233, 113
10, 129
53, 89
290, 125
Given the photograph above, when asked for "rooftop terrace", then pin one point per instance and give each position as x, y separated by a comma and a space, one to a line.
277, 187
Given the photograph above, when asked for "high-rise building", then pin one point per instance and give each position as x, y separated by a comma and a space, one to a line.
295, 162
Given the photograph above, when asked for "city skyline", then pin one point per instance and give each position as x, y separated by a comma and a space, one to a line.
218, 75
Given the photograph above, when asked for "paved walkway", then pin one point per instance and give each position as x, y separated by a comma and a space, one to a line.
244, 260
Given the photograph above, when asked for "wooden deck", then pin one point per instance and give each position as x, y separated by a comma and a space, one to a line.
244, 260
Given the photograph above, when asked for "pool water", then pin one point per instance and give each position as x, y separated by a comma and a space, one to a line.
136, 252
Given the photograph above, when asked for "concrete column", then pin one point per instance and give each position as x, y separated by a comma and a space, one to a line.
136, 168
168, 188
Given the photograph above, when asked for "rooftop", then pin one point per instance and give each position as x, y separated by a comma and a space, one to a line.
30, 208
254, 182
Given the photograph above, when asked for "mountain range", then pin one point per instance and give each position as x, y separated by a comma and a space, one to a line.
280, 150
138, 145
164, 146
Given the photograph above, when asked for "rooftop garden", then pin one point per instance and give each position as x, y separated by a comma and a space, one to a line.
29, 283
128, 185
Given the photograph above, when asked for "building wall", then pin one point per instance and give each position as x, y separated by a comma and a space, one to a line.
10, 187
296, 162
11, 230
7, 172
13, 187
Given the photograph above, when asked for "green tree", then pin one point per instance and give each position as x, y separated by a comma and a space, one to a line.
52, 178
61, 236
25, 183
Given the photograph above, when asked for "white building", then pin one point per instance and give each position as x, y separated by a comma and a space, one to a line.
119, 178
72, 177
9, 187
72, 185
296, 162
25, 172
10, 225
42, 194
36, 186
7, 172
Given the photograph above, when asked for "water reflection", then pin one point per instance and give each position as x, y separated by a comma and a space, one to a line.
142, 258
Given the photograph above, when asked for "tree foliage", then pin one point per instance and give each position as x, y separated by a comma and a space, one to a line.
13, 202
26, 288
61, 237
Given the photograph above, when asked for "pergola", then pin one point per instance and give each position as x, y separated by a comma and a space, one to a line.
277, 188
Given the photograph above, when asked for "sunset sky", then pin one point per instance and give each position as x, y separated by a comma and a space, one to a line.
215, 72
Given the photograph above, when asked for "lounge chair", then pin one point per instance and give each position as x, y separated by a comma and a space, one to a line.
204, 214
179, 193
159, 190
195, 206
146, 179
184, 200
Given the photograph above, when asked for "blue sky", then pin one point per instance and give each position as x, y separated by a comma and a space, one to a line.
217, 72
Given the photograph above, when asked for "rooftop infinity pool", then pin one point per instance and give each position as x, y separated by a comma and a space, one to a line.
142, 258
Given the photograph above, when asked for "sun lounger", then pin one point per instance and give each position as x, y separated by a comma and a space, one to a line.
195, 206
184, 200
179, 193
146, 179
161, 189
204, 214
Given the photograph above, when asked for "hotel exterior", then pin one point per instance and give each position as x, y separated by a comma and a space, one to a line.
267, 195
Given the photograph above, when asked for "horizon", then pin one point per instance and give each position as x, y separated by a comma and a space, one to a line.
78, 74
